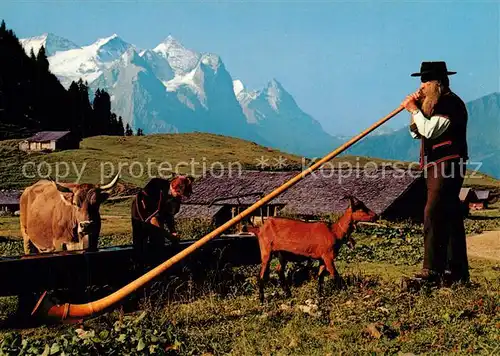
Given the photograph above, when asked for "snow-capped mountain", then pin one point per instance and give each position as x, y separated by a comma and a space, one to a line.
87, 62
238, 87
160, 67
136, 93
383, 131
171, 88
181, 59
277, 118
51, 42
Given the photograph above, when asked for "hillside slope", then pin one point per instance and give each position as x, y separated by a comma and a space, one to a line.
193, 153
100, 156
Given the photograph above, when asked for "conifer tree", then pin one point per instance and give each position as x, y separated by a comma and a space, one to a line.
128, 130
105, 123
32, 55
98, 116
76, 115
42, 61
86, 108
121, 129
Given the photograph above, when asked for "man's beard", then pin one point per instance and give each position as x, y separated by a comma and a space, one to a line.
429, 100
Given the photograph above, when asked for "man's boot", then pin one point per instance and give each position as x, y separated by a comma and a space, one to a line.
428, 276
451, 278
424, 277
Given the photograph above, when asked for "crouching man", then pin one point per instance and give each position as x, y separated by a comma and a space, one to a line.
152, 208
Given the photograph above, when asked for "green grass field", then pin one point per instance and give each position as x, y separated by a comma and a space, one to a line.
372, 315
143, 157
100, 157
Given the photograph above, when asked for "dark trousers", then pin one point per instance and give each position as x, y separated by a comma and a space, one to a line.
444, 231
148, 242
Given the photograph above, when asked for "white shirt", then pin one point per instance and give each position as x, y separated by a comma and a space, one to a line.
429, 128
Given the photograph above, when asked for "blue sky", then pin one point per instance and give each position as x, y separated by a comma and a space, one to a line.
347, 64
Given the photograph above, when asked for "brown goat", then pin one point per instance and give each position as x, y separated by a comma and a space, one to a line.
296, 240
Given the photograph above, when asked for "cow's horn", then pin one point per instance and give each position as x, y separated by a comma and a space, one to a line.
60, 187
112, 183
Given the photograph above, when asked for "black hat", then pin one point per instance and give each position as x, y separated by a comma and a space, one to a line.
433, 69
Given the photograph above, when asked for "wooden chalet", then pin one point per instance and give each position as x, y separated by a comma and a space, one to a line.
50, 141
9, 201
473, 199
481, 200
390, 194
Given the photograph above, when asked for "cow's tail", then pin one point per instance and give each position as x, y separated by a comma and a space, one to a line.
23, 207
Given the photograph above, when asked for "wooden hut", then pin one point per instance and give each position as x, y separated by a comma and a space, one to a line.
391, 194
50, 141
475, 199
9, 201
480, 200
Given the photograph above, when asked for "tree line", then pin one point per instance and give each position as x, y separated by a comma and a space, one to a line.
33, 99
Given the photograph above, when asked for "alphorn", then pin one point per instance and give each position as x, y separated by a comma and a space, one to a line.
76, 312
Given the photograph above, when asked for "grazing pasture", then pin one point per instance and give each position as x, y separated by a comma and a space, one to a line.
219, 316
178, 150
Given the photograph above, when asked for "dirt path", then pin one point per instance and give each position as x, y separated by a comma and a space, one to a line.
484, 245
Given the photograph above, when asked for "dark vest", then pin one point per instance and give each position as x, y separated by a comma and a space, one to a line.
452, 143
155, 200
